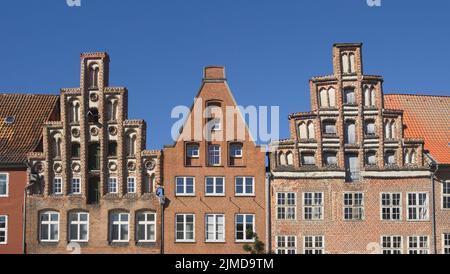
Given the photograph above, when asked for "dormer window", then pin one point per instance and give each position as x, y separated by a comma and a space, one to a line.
349, 96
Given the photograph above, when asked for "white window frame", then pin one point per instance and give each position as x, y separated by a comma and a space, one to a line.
146, 223
286, 249
119, 223
4, 230
233, 153
184, 193
285, 208
184, 231
353, 207
214, 151
216, 228
131, 185
7, 186
244, 224
418, 249
391, 250
57, 181
418, 207
314, 207
189, 152
49, 223
244, 188
446, 243
79, 223
216, 124
315, 249
445, 195
391, 206
112, 185
75, 182
215, 193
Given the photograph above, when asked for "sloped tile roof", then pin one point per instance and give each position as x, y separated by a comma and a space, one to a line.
29, 113
426, 117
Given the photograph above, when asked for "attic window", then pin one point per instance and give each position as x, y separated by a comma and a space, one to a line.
10, 120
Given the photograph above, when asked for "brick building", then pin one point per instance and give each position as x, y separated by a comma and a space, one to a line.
93, 184
428, 117
349, 180
214, 176
21, 119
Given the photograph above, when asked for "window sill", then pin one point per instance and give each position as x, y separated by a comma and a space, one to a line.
215, 242
244, 241
244, 195
185, 242
185, 195
215, 195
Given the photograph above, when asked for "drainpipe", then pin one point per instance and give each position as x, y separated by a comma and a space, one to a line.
433, 185
268, 208
24, 210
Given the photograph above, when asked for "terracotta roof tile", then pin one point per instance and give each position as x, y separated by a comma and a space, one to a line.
426, 117
30, 112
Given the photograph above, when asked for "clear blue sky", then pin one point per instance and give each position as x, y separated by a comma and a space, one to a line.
271, 48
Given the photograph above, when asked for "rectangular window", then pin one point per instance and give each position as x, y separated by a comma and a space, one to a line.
418, 206
236, 150
330, 128
216, 125
391, 245
354, 206
446, 195
391, 206
446, 243
185, 228
79, 227
314, 245
146, 227
76, 186
286, 206
245, 186
112, 185
418, 245
330, 158
185, 186
214, 155
49, 227
245, 227
3, 229
119, 227
308, 159
4, 185
131, 185
286, 245
313, 205
57, 186
215, 228
192, 151
215, 186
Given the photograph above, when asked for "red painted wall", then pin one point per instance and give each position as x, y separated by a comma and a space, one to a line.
12, 207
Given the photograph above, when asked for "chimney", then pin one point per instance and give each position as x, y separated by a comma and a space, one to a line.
214, 73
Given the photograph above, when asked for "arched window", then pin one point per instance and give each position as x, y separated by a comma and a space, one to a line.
119, 226
324, 98
372, 97
332, 97
131, 143
410, 157
352, 63
282, 159
345, 63
57, 144
74, 112
350, 132
78, 226
112, 109
311, 131
302, 130
290, 158
93, 75
49, 226
390, 129
393, 130
146, 227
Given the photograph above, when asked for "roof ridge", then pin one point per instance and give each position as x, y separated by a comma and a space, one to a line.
418, 95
